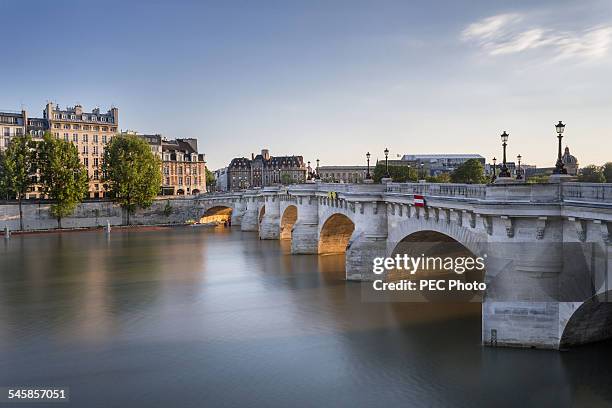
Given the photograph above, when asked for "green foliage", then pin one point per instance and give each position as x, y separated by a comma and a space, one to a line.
592, 174
287, 179
167, 209
399, 174
5, 189
18, 169
62, 176
210, 180
540, 178
131, 172
607, 171
440, 178
470, 172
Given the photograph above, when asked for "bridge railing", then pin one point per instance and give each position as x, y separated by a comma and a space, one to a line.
440, 189
587, 192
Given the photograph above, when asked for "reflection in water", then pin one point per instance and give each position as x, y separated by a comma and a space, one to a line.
197, 316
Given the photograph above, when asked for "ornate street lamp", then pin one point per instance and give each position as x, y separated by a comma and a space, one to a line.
318, 176
519, 175
494, 169
309, 171
560, 167
422, 171
504, 172
368, 171
387, 175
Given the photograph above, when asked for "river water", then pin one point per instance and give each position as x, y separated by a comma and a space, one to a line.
195, 317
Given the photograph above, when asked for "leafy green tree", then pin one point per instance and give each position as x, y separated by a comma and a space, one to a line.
440, 178
399, 174
131, 172
286, 179
5, 190
210, 180
592, 174
607, 171
470, 172
539, 178
62, 176
18, 169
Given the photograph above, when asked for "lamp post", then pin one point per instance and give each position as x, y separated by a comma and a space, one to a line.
494, 169
387, 163
422, 172
519, 175
368, 169
560, 167
504, 172
309, 171
317, 177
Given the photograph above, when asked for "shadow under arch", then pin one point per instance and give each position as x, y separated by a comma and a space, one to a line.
219, 213
335, 234
591, 322
438, 256
262, 212
287, 221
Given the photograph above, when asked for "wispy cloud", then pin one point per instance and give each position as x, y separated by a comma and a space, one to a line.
512, 33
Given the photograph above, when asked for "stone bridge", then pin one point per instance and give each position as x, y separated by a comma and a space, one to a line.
548, 272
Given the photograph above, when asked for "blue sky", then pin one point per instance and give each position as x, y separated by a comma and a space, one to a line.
325, 79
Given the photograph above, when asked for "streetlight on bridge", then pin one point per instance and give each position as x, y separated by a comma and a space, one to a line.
560, 167
494, 169
318, 176
387, 163
519, 175
504, 172
368, 170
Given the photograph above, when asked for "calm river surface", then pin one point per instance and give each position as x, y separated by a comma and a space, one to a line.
190, 317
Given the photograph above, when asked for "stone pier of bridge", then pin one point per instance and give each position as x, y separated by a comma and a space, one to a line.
549, 263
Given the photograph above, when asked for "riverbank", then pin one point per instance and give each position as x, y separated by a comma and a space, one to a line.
114, 227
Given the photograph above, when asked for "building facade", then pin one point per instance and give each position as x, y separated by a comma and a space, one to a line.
265, 170
89, 132
220, 180
183, 168
12, 124
343, 174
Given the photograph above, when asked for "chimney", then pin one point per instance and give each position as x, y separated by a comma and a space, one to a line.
252, 156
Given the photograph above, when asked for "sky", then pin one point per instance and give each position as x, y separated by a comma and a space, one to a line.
325, 79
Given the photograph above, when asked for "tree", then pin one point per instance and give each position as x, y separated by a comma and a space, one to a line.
5, 190
399, 174
607, 171
539, 178
470, 172
286, 179
18, 168
440, 178
131, 172
592, 174
210, 180
63, 177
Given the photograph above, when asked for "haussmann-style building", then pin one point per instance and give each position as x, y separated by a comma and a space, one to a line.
264, 170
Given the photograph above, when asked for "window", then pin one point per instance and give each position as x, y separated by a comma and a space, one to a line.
95, 138
86, 161
85, 138
95, 149
85, 127
85, 149
95, 162
56, 125
95, 174
104, 139
180, 179
66, 126
76, 127
104, 129
75, 137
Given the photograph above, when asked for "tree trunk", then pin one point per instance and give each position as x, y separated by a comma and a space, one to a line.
20, 214
59, 222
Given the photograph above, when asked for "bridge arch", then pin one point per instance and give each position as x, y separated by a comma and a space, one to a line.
590, 322
288, 219
217, 213
335, 234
